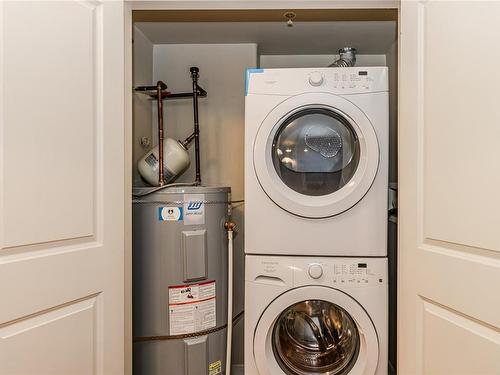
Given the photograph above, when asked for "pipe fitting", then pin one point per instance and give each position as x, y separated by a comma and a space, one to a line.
347, 58
230, 226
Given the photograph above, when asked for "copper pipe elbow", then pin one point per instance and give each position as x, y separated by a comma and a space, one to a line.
229, 225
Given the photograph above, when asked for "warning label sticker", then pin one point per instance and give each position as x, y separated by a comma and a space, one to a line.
192, 308
215, 368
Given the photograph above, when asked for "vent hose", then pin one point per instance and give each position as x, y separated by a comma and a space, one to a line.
229, 225
347, 58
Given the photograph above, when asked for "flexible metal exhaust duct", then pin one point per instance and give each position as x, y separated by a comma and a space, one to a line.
346, 59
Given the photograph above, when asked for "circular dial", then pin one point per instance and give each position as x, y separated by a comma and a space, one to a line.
316, 78
315, 270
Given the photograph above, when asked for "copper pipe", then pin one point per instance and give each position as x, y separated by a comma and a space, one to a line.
161, 177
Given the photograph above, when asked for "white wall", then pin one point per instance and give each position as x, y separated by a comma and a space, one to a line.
315, 61
222, 73
142, 75
221, 113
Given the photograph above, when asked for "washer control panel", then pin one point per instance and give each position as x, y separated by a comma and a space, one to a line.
353, 273
341, 272
334, 272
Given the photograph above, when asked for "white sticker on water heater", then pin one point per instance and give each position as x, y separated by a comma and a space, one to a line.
170, 213
194, 209
192, 307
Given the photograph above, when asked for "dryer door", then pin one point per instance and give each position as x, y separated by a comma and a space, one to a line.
316, 155
327, 333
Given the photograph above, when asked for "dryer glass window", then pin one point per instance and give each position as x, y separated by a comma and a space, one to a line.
315, 337
315, 151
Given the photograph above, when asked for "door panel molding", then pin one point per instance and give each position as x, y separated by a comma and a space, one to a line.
448, 241
468, 169
461, 291
62, 187
63, 339
463, 334
435, 244
47, 248
25, 323
65, 162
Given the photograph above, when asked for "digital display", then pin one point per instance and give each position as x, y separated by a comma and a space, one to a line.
363, 73
361, 265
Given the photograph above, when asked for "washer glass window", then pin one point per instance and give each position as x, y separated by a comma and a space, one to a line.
315, 337
315, 151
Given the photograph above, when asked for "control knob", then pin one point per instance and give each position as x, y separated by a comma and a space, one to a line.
315, 270
315, 78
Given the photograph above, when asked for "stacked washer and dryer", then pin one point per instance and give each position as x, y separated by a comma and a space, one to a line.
316, 186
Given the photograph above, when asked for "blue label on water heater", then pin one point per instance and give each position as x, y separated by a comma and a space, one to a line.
170, 213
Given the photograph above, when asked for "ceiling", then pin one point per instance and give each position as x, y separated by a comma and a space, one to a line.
275, 38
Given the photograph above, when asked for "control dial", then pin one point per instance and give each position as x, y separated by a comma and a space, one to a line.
315, 270
316, 78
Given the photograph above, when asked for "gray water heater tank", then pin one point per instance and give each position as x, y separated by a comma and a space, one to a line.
180, 280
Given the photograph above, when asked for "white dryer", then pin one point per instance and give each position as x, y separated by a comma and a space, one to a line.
316, 161
318, 315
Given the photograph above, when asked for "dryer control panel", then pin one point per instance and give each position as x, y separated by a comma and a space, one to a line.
341, 81
357, 80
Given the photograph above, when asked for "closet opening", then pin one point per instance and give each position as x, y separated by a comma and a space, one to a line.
223, 45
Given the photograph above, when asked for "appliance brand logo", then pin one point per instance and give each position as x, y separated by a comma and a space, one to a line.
194, 209
194, 205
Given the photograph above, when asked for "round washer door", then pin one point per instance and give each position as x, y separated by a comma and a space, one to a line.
326, 333
316, 155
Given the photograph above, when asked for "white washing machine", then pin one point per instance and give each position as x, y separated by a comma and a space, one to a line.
318, 315
316, 161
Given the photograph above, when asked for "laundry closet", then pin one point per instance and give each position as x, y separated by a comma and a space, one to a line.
73, 129
225, 46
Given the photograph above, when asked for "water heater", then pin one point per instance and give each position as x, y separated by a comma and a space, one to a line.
180, 275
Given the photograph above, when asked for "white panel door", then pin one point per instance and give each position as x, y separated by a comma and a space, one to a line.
61, 187
449, 154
